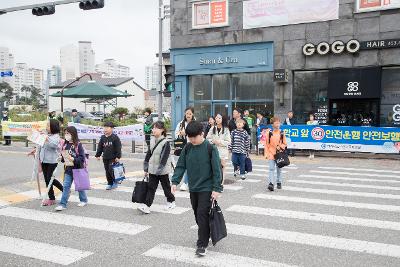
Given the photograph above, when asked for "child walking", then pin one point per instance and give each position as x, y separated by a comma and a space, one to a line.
157, 166
73, 157
110, 147
240, 148
202, 162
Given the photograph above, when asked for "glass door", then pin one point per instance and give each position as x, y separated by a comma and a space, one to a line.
221, 108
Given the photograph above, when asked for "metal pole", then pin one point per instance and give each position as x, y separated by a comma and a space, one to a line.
160, 58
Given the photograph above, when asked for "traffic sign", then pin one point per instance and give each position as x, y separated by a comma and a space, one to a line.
6, 74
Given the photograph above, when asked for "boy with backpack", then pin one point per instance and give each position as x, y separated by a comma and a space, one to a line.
240, 148
201, 161
110, 147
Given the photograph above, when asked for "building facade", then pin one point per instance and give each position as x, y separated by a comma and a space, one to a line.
86, 57
151, 77
54, 76
69, 59
25, 76
341, 62
6, 64
111, 69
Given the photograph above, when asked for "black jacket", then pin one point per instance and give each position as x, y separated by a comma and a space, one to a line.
292, 121
110, 147
232, 126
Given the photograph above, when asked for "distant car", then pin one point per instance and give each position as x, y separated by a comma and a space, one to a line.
88, 116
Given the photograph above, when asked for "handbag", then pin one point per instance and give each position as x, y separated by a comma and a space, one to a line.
282, 159
179, 144
140, 191
118, 171
217, 223
81, 179
248, 165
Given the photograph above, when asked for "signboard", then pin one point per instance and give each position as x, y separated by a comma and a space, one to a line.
281, 75
342, 138
210, 14
267, 13
130, 132
354, 83
376, 5
322, 114
380, 44
10, 128
6, 74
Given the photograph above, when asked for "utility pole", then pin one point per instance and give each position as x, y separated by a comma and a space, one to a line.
160, 57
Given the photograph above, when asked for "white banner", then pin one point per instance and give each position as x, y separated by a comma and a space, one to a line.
267, 13
130, 132
374, 5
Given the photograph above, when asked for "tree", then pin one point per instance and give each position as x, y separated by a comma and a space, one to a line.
7, 90
121, 112
36, 96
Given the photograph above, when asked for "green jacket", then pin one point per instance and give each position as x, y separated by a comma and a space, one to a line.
204, 173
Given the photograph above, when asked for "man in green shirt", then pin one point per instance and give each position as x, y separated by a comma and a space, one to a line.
201, 161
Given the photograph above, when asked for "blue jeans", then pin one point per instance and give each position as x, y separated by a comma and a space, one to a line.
66, 192
239, 161
272, 167
185, 178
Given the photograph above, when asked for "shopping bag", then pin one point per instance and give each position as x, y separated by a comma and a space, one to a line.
282, 159
248, 165
81, 179
217, 223
119, 172
140, 191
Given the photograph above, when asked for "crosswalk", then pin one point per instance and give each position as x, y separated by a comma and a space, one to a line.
355, 199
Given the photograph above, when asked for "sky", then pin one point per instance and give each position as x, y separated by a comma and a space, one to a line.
126, 30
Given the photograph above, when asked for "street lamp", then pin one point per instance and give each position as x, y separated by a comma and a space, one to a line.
62, 90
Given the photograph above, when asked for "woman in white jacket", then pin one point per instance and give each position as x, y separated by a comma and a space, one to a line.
220, 136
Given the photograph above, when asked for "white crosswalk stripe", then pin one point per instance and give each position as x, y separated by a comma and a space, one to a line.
41, 251
358, 174
73, 220
186, 255
319, 217
379, 187
344, 193
248, 180
347, 178
229, 169
345, 204
359, 169
129, 205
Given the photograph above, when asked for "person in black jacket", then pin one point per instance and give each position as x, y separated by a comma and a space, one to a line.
237, 114
110, 147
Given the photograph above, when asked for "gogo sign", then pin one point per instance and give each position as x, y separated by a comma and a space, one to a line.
337, 47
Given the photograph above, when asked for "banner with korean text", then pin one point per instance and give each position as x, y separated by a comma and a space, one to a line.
267, 13
11, 128
341, 138
129, 132
376, 5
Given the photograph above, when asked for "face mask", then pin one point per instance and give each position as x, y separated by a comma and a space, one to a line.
68, 137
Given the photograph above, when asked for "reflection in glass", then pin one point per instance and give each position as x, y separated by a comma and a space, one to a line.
200, 87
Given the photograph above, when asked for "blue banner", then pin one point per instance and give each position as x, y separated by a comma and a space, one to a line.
340, 138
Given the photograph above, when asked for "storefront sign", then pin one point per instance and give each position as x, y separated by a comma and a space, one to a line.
267, 13
219, 60
337, 47
354, 83
210, 14
396, 114
130, 132
322, 114
375, 5
10, 128
342, 138
281, 75
380, 44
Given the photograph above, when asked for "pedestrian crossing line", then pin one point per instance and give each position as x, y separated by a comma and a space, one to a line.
41, 251
358, 174
314, 240
344, 204
129, 205
319, 217
379, 187
359, 169
73, 220
229, 169
248, 180
186, 255
347, 178
343, 193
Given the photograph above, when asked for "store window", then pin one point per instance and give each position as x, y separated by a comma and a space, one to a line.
221, 87
249, 86
390, 101
200, 87
310, 96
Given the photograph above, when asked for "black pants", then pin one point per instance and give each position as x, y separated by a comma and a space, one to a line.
147, 138
201, 204
48, 169
109, 170
152, 187
7, 140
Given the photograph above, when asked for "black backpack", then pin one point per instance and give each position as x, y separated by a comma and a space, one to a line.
281, 157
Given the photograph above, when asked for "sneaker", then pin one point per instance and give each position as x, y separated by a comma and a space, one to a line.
109, 187
114, 186
171, 205
235, 173
48, 202
184, 187
271, 187
279, 186
243, 177
201, 251
82, 204
60, 208
143, 208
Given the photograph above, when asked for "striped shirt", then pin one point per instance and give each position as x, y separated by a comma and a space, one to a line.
240, 142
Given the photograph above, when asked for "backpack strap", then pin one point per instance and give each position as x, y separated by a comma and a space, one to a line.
188, 146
